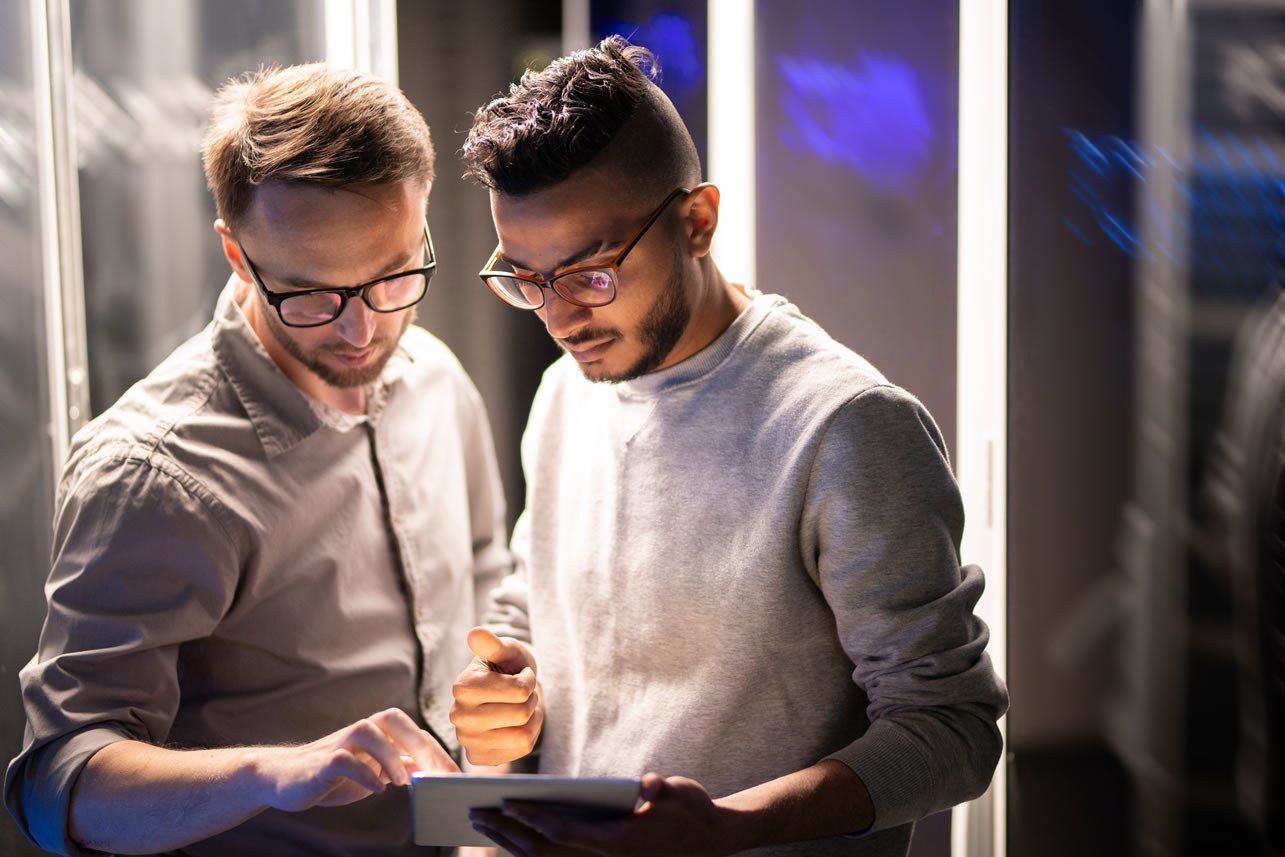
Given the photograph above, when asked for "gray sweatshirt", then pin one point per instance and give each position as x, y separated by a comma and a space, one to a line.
746, 563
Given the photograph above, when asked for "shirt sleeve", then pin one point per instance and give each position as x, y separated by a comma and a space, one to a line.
882, 524
142, 561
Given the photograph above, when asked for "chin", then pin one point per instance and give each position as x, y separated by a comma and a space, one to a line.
606, 375
348, 377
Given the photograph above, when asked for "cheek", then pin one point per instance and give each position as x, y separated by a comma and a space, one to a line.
635, 303
306, 338
392, 325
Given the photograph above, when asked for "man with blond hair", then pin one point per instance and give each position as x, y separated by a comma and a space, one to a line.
267, 552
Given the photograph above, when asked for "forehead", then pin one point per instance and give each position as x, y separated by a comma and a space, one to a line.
544, 226
333, 235
298, 211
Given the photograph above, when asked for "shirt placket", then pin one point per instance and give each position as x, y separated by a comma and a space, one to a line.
393, 496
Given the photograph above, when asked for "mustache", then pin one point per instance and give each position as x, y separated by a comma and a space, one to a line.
375, 342
591, 335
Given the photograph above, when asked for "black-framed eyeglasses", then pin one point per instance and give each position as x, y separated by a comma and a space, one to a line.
315, 307
586, 286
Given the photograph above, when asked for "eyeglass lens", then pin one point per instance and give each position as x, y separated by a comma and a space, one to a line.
385, 296
594, 287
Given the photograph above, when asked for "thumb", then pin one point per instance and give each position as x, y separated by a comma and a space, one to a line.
483, 643
651, 786
507, 657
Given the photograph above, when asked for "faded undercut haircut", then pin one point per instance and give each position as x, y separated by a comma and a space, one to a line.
310, 124
554, 121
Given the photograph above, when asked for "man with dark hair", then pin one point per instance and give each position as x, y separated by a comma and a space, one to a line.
738, 560
267, 552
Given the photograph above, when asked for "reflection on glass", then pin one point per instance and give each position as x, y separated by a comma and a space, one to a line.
26, 489
856, 111
145, 71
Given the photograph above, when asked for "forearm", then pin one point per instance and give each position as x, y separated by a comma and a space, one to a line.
135, 798
827, 799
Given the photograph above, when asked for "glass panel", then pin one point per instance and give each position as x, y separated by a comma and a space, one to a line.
1071, 345
145, 73
1145, 228
857, 113
26, 489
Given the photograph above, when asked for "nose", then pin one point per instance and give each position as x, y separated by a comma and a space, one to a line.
560, 318
356, 324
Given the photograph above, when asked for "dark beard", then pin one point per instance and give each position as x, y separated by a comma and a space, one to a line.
660, 331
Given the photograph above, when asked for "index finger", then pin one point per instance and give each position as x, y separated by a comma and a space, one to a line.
481, 685
427, 754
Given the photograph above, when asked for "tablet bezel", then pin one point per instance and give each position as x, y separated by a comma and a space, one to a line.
440, 803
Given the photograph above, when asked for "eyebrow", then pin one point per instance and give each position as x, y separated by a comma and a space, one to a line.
566, 261
393, 267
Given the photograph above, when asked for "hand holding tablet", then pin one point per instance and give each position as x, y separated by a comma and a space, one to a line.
440, 803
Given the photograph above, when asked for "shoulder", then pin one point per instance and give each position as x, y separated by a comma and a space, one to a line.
427, 352
431, 359
794, 344
156, 443
562, 381
789, 368
136, 424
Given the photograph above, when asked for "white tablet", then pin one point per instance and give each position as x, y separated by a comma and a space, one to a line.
440, 803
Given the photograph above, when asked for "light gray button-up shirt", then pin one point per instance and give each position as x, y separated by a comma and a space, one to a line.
236, 564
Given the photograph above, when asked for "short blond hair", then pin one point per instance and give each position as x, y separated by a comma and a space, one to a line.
310, 124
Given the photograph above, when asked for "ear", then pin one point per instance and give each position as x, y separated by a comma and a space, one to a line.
702, 217
232, 251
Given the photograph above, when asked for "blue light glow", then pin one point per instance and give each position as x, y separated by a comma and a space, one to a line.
1229, 226
870, 116
672, 38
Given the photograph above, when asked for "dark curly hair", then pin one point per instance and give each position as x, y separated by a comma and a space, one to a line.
555, 121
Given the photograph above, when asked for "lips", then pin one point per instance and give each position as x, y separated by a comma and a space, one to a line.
588, 352
354, 358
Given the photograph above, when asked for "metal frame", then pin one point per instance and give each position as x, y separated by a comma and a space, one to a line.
58, 189
980, 828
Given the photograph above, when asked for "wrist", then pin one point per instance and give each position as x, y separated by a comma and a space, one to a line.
738, 824
251, 776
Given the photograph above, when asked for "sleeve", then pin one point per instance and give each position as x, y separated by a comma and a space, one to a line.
142, 561
883, 522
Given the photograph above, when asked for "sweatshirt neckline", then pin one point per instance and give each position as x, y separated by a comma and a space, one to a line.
708, 358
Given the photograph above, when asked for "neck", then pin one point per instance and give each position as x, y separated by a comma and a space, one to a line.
716, 303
